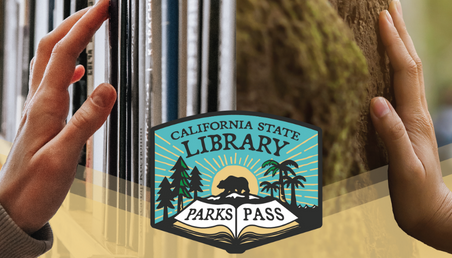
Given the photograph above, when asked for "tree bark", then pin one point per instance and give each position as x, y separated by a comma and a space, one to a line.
320, 63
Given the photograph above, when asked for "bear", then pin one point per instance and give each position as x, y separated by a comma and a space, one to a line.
234, 184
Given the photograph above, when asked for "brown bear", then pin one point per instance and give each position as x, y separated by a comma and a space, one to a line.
234, 184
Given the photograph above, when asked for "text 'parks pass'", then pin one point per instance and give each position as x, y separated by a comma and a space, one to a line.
236, 180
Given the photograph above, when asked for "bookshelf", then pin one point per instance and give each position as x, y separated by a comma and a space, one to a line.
167, 59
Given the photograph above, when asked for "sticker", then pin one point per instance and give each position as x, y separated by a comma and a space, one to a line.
236, 180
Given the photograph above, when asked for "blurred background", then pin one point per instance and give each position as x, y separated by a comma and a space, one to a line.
295, 59
322, 62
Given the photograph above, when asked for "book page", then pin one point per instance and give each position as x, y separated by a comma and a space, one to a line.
266, 215
200, 214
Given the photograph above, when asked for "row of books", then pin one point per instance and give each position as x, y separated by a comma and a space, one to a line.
166, 58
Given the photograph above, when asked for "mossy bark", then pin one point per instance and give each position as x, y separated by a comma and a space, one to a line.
299, 59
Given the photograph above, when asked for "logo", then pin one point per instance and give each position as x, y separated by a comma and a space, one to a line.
236, 180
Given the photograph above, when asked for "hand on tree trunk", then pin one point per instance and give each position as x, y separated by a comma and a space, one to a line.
422, 203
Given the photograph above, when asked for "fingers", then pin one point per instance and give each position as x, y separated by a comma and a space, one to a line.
45, 47
78, 73
394, 135
66, 51
86, 120
406, 78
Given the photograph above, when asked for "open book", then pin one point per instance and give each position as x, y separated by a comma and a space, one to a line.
261, 219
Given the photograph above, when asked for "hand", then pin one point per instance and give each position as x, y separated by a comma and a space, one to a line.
422, 204
42, 163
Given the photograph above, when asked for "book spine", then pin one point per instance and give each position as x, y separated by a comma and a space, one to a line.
226, 81
134, 123
170, 58
111, 163
193, 57
205, 56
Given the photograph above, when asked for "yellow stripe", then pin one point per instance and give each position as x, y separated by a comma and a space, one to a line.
221, 160
294, 156
204, 166
308, 164
163, 139
246, 159
310, 147
160, 169
164, 163
310, 176
210, 164
305, 158
249, 162
255, 164
311, 197
178, 149
300, 144
235, 158
225, 159
167, 150
165, 156
216, 162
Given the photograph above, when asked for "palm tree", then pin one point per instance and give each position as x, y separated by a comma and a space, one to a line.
294, 182
267, 186
283, 170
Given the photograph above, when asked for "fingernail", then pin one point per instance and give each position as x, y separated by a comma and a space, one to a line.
102, 96
388, 16
380, 107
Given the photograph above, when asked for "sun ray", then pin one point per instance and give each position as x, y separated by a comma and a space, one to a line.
231, 159
221, 160
205, 175
307, 203
301, 144
167, 150
178, 149
210, 164
160, 175
163, 139
165, 156
204, 167
255, 164
311, 176
294, 155
216, 162
311, 197
225, 159
235, 158
306, 158
301, 172
311, 147
306, 190
160, 168
240, 160
313, 169
257, 170
249, 163
246, 159
164, 163
308, 163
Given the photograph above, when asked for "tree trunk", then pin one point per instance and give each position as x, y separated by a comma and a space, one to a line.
318, 69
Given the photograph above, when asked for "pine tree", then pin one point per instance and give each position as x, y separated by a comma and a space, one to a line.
180, 182
195, 184
166, 197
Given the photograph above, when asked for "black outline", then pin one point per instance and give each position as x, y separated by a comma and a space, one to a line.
242, 248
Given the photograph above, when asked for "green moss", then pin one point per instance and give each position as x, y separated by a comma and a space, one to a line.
302, 54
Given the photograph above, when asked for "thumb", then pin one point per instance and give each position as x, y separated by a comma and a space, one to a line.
393, 133
88, 118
